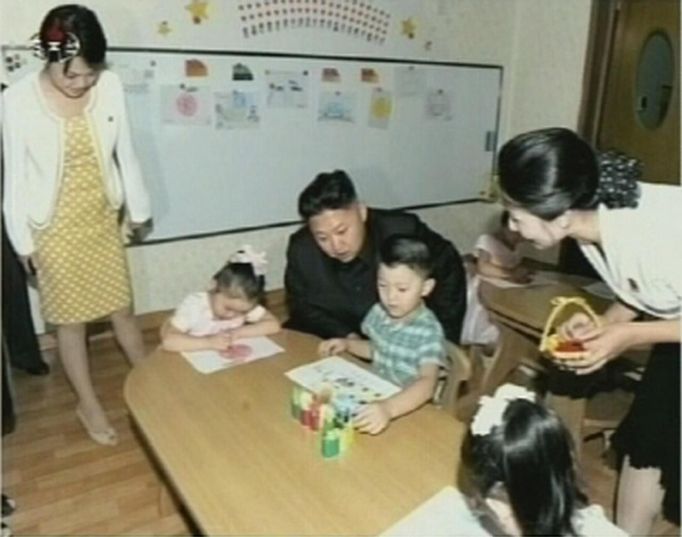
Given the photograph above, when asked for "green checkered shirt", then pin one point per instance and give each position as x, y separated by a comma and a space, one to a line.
400, 348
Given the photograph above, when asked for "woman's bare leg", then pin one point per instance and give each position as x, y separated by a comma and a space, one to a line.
74, 356
128, 334
639, 500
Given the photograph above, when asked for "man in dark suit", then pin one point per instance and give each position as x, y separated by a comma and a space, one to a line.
332, 261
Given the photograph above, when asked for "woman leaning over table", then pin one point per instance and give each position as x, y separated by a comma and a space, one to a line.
69, 168
555, 186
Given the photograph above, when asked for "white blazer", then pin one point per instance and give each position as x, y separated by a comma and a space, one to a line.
640, 257
33, 142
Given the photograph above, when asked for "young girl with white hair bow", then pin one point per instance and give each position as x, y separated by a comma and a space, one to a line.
518, 460
230, 310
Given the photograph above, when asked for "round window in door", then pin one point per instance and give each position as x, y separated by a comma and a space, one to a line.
655, 79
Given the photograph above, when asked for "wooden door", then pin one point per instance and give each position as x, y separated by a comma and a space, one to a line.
630, 122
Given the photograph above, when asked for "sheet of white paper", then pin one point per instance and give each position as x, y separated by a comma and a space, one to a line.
540, 277
342, 376
211, 361
443, 515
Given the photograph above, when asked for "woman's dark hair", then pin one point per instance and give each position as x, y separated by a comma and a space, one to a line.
407, 250
83, 24
328, 191
240, 279
550, 171
530, 456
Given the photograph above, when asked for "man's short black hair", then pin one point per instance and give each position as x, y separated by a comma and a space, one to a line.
328, 191
407, 250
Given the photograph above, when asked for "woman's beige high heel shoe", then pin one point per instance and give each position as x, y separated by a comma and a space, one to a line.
107, 437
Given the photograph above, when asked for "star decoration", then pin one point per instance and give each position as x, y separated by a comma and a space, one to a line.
409, 28
198, 9
164, 28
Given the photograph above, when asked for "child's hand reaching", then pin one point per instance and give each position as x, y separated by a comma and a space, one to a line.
372, 418
221, 341
332, 346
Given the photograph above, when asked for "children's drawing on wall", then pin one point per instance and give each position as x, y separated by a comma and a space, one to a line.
287, 89
195, 68
185, 105
369, 75
198, 10
439, 105
409, 81
331, 74
236, 110
380, 108
353, 18
337, 106
135, 79
241, 72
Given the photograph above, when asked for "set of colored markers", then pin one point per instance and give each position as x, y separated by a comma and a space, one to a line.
329, 415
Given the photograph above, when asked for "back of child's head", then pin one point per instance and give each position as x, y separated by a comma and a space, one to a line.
521, 448
409, 251
243, 276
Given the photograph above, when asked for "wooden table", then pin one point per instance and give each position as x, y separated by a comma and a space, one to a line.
243, 466
520, 313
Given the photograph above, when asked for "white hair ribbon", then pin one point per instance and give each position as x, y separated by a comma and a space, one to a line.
61, 50
491, 409
246, 254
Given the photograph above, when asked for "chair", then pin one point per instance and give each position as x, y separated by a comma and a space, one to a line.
459, 375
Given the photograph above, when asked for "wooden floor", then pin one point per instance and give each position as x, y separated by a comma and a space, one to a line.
65, 484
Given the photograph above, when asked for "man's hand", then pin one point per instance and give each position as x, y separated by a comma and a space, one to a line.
332, 346
28, 264
372, 418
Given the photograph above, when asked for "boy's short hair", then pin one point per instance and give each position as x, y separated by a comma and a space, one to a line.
328, 191
407, 250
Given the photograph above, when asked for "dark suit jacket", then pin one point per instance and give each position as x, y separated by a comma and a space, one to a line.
329, 298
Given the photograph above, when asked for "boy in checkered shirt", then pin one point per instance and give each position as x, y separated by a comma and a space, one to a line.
406, 341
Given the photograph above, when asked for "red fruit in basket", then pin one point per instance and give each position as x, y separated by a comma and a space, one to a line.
569, 346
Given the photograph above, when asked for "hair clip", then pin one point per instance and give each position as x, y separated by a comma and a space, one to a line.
491, 409
60, 47
246, 254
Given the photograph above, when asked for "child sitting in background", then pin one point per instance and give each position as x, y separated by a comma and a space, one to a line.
230, 310
495, 256
518, 459
406, 341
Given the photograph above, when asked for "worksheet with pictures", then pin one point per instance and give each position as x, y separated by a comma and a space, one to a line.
342, 377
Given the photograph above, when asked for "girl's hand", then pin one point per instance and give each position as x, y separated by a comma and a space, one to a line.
372, 418
28, 264
221, 341
602, 344
576, 327
332, 346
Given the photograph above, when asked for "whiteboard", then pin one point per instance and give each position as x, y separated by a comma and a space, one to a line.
222, 150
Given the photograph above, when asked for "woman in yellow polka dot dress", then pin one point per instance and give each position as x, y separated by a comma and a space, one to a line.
69, 169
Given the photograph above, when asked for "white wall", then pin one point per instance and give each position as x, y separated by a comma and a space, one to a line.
540, 43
